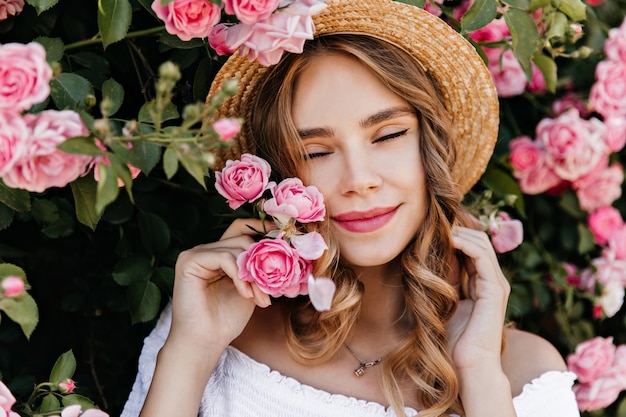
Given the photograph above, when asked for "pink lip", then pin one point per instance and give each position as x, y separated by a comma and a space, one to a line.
365, 221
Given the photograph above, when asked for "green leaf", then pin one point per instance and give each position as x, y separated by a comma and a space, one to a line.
175, 42
479, 15
64, 367
193, 166
416, 3
170, 163
621, 409
49, 403
10, 269
84, 190
18, 200
537, 4
585, 239
557, 26
575, 9
42, 5
54, 48
149, 154
72, 399
6, 216
80, 145
114, 17
132, 269
164, 278
23, 311
169, 112
144, 299
107, 189
113, 91
525, 37
121, 171
548, 68
501, 183
518, 4
68, 91
154, 231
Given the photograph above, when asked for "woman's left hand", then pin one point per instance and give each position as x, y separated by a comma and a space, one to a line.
475, 331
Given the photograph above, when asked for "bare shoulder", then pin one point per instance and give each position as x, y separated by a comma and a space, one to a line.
528, 356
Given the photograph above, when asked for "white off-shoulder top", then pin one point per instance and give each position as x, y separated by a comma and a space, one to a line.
242, 387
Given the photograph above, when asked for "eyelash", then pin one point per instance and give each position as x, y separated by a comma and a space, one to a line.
381, 139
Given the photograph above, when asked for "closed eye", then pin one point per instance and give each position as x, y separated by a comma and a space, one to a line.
316, 155
391, 136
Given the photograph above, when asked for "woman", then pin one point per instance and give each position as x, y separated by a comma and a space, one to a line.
392, 115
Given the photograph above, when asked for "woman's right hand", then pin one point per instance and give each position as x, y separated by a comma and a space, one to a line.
211, 305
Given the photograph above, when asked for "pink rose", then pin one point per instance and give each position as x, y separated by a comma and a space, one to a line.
44, 166
250, 11
608, 93
586, 281
597, 394
10, 8
611, 298
227, 128
615, 136
188, 19
6, 401
285, 30
310, 246
603, 222
321, 292
24, 76
217, 39
570, 100
609, 268
243, 180
617, 242
574, 146
433, 8
615, 45
594, 3
600, 187
494, 31
291, 199
67, 386
274, 266
12, 286
526, 154
619, 364
506, 234
537, 83
507, 75
14, 135
591, 358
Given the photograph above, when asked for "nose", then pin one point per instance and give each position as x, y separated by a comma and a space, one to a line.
360, 174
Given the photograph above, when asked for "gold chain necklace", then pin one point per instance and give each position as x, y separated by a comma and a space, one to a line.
363, 364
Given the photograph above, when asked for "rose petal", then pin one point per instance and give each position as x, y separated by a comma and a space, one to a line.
321, 292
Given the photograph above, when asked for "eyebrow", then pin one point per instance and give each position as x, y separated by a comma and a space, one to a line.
369, 121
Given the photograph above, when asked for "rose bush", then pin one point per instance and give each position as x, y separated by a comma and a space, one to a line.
87, 106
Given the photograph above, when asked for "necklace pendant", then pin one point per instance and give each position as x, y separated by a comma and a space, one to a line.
360, 370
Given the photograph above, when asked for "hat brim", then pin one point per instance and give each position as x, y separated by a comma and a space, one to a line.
465, 82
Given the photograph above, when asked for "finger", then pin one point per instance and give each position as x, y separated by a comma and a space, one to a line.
260, 298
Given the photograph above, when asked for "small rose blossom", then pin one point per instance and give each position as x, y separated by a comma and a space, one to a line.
591, 358
537, 83
243, 180
10, 8
600, 188
615, 45
506, 234
12, 286
24, 76
44, 166
526, 154
217, 39
574, 146
508, 75
67, 386
597, 394
570, 100
134, 171
227, 128
291, 199
608, 93
609, 268
587, 281
615, 136
250, 11
603, 222
321, 292
274, 266
188, 19
611, 298
7, 400
617, 243
310, 246
594, 3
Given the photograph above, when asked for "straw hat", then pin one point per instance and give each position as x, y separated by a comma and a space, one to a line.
466, 85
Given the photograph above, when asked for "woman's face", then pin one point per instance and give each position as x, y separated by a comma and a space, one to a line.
363, 144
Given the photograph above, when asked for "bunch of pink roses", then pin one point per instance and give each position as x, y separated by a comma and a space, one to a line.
600, 367
280, 263
265, 28
29, 157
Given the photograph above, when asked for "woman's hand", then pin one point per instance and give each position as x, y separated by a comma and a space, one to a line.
475, 332
211, 305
